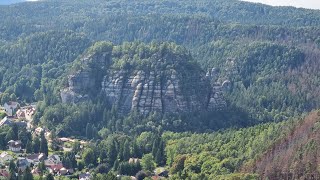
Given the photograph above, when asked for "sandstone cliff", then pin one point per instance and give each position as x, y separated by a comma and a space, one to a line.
161, 78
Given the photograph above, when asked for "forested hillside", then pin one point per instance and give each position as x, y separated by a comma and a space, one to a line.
294, 156
213, 41
207, 89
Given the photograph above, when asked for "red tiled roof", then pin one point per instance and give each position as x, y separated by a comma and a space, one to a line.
4, 173
56, 167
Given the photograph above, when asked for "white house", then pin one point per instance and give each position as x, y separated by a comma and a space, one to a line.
39, 130
52, 160
14, 146
29, 112
10, 107
5, 157
21, 114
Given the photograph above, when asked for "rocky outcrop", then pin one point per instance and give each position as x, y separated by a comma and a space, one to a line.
91, 70
145, 92
167, 84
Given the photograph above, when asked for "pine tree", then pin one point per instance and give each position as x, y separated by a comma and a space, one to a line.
12, 176
36, 145
89, 131
160, 156
10, 135
42, 166
12, 166
115, 165
15, 130
112, 152
49, 177
103, 155
155, 147
44, 145
27, 175
20, 174
111, 176
135, 149
29, 148
126, 151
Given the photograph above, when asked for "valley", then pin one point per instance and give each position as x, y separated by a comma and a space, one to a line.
159, 90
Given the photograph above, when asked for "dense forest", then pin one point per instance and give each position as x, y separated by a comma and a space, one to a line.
268, 54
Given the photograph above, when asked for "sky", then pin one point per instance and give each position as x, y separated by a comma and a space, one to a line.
310, 4
7, 2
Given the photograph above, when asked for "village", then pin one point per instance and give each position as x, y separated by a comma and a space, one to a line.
48, 154
17, 153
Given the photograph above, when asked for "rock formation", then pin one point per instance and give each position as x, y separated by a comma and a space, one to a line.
169, 83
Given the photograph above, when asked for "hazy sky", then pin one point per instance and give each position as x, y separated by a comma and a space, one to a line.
311, 4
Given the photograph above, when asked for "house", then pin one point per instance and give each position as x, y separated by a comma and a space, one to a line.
4, 174
39, 130
10, 107
62, 171
9, 121
164, 173
22, 164
86, 176
54, 168
53, 163
55, 159
14, 146
20, 114
36, 158
29, 112
6, 121
5, 157
21, 124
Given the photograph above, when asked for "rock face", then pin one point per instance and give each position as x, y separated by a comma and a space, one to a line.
168, 84
87, 77
145, 92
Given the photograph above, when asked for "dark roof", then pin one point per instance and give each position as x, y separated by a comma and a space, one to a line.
22, 162
84, 175
5, 121
164, 173
12, 103
8, 121
53, 157
33, 156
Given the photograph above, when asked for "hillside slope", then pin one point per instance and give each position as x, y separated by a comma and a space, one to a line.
295, 156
